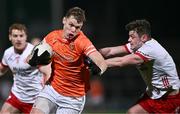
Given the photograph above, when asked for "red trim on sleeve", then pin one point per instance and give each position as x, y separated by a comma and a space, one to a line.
127, 48
38, 66
142, 56
90, 52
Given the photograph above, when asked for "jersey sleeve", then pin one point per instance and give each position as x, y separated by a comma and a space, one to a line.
50, 37
145, 53
86, 45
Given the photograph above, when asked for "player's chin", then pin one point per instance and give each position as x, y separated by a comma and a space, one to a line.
19, 48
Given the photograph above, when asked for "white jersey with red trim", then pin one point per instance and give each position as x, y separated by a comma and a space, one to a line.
27, 80
158, 70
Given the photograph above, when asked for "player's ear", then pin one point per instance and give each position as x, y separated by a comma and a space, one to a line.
10, 37
64, 20
144, 37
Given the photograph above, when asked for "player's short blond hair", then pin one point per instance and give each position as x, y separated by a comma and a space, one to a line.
17, 26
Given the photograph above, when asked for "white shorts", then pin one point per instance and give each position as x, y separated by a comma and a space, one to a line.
62, 103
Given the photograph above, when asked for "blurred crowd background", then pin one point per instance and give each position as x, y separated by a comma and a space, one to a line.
118, 88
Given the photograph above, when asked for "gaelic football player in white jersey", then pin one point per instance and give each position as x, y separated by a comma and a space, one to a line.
155, 65
28, 81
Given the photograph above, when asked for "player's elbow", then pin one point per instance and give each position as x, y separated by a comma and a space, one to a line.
3, 70
2, 73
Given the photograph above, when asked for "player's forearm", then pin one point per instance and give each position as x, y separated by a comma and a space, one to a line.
2, 69
131, 59
96, 63
100, 62
46, 70
115, 62
47, 75
113, 51
111, 63
105, 52
103, 66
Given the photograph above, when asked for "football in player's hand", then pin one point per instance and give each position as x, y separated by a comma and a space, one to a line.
41, 54
43, 48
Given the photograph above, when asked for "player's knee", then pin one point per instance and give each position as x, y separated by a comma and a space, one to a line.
5, 112
131, 111
8, 109
137, 109
43, 106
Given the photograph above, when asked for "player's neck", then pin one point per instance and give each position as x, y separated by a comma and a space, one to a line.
20, 51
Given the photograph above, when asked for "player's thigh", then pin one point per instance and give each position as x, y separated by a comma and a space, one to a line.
43, 106
8, 108
63, 110
136, 109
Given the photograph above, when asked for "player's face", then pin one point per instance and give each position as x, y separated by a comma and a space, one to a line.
135, 40
71, 27
18, 39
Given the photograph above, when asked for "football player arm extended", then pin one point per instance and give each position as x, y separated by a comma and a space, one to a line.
46, 70
113, 51
3, 69
131, 59
98, 62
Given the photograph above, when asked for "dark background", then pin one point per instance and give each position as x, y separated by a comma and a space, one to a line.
105, 27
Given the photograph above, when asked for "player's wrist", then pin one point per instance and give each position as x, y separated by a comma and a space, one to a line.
103, 69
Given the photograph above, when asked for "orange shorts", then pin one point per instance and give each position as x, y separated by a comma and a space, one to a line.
15, 102
166, 104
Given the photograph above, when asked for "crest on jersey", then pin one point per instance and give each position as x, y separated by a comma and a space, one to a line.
72, 46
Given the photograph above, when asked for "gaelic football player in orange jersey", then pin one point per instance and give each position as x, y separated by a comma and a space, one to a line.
69, 80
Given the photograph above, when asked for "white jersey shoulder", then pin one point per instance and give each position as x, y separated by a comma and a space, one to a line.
27, 80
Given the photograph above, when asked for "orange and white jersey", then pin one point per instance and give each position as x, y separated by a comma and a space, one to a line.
70, 77
158, 70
